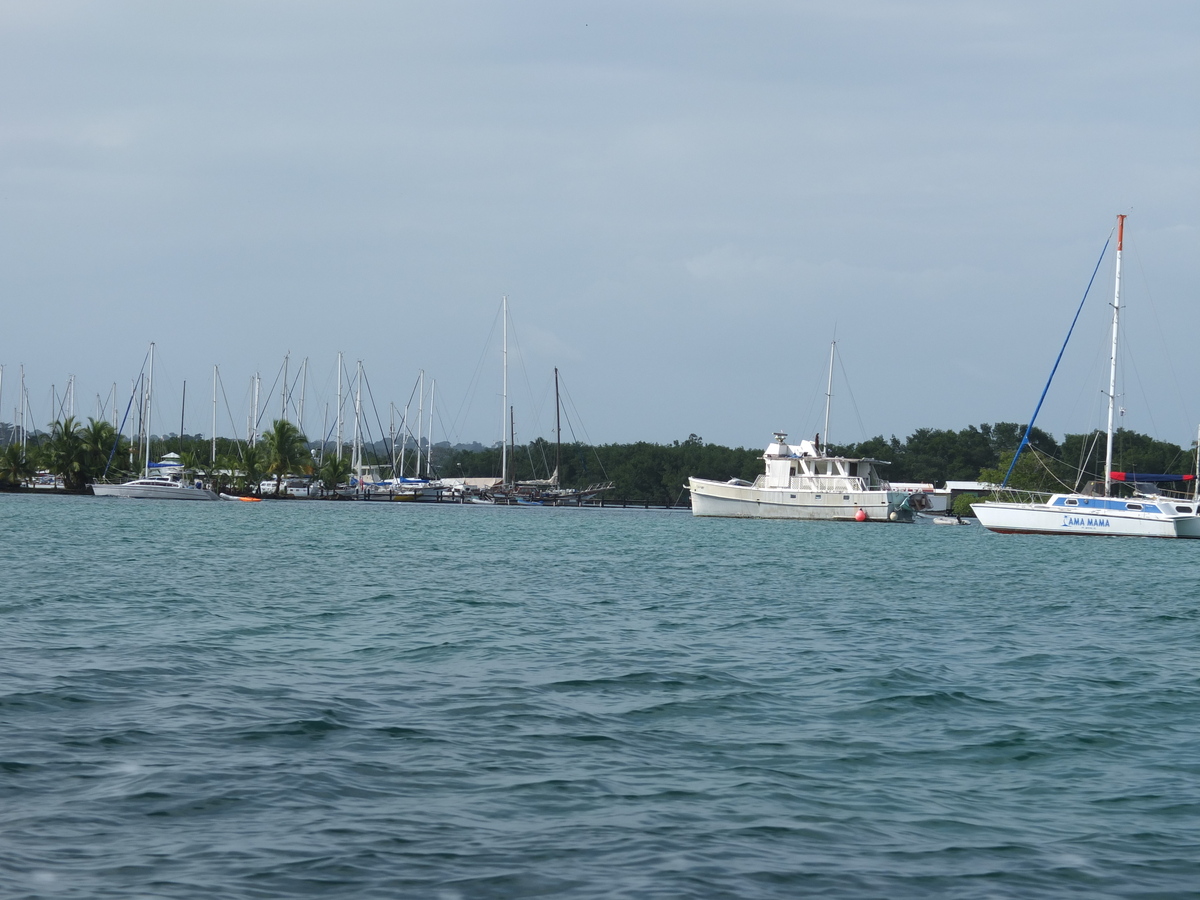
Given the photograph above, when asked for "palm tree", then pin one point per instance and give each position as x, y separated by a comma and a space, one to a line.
253, 467
15, 468
66, 454
334, 471
287, 451
99, 443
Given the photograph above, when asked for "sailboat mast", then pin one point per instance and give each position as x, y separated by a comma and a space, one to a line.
149, 396
254, 430
283, 393
339, 407
303, 387
829, 391
429, 439
22, 398
557, 430
504, 405
357, 451
182, 411
420, 419
214, 419
1112, 360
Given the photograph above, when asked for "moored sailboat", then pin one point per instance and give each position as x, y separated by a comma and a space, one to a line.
1142, 511
163, 480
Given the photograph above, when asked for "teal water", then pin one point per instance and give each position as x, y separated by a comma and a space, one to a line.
381, 700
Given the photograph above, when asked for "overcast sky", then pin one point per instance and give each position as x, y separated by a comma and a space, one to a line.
684, 202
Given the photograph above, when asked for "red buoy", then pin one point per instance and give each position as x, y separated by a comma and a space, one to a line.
860, 516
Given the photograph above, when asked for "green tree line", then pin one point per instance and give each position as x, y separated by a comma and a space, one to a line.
640, 472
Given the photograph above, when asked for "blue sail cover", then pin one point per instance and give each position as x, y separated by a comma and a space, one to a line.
1142, 476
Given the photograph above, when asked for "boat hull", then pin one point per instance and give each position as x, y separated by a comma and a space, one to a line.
740, 501
1040, 518
134, 491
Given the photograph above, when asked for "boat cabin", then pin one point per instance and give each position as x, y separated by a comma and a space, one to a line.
804, 466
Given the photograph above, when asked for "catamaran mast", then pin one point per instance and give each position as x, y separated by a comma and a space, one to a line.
829, 392
1112, 360
504, 405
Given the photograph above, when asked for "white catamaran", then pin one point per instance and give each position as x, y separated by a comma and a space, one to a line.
1143, 512
162, 480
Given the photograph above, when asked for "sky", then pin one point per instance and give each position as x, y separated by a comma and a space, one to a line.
685, 204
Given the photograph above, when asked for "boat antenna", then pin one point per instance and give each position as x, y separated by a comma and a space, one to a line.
1029, 428
1112, 360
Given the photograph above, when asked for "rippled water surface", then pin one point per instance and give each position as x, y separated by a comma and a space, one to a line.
382, 700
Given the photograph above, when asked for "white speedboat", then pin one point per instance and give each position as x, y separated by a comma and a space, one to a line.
801, 482
1097, 510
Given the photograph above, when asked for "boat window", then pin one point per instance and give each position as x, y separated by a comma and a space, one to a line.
816, 496
1072, 503
1133, 506
793, 496
1183, 509
845, 496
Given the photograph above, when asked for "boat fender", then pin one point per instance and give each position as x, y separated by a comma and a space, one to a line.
894, 516
860, 516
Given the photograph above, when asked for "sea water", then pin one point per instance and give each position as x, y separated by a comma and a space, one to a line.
291, 699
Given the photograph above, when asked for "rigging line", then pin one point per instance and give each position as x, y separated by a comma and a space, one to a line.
1161, 331
537, 419
133, 393
1085, 454
406, 429
229, 412
562, 384
270, 393
1131, 365
378, 421
117, 438
862, 429
294, 407
473, 384
1037, 454
582, 427
1025, 439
